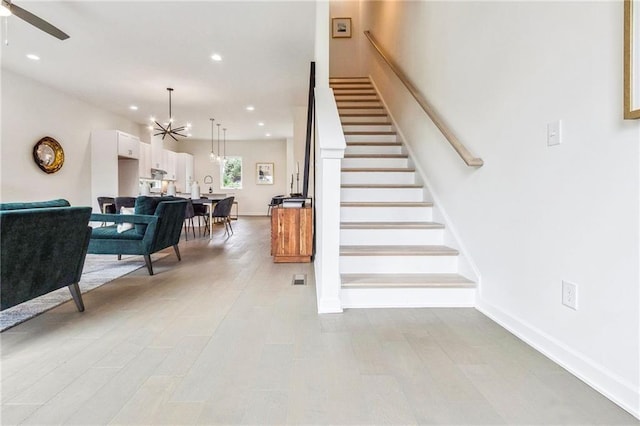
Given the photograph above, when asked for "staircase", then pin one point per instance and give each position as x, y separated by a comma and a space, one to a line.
392, 252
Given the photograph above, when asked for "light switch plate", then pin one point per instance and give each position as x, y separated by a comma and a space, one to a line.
554, 133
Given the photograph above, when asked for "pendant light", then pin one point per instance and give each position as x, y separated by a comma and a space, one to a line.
218, 159
212, 155
224, 146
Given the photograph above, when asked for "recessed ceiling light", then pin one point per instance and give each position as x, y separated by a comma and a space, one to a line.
133, 108
216, 57
33, 57
268, 135
188, 135
152, 118
260, 123
250, 108
150, 127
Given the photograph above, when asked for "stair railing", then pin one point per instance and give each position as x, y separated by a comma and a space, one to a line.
462, 150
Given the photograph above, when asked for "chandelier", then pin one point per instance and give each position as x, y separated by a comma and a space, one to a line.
168, 128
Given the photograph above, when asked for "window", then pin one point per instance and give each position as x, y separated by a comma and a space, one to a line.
231, 173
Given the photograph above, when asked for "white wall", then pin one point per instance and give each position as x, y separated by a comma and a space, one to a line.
31, 111
345, 60
533, 216
253, 199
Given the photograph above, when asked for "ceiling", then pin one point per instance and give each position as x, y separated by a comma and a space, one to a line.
127, 53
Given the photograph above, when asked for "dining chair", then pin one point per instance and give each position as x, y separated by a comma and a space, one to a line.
189, 214
200, 211
110, 207
124, 202
275, 201
222, 211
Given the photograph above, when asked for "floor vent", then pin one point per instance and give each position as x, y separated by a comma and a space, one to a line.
299, 279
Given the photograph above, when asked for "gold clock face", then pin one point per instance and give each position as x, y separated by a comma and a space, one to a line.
48, 155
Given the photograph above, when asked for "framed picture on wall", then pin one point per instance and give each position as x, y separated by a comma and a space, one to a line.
341, 28
264, 173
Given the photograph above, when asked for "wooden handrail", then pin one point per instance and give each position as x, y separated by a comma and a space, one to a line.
462, 150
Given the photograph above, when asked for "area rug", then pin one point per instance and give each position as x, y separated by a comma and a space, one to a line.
98, 270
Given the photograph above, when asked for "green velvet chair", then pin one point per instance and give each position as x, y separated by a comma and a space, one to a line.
43, 246
157, 225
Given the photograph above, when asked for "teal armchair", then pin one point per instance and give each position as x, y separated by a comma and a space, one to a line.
157, 225
43, 246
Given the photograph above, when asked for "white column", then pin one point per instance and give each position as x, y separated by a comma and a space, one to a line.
331, 145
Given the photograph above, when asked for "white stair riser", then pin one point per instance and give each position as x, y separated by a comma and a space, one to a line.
398, 264
382, 194
378, 178
368, 162
358, 97
371, 138
376, 237
373, 149
407, 297
386, 214
346, 119
367, 128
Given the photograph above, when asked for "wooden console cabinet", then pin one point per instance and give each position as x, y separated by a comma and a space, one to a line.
291, 234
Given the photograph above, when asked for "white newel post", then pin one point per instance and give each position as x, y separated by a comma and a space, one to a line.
331, 145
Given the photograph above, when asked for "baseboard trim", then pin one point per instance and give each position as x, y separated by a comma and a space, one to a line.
612, 386
408, 297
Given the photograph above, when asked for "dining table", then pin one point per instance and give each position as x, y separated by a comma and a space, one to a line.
210, 201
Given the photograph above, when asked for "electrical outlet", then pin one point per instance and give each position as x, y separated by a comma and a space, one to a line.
570, 295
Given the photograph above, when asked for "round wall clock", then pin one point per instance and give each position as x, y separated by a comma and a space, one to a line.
48, 155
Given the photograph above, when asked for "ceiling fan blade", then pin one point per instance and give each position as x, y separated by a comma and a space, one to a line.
35, 21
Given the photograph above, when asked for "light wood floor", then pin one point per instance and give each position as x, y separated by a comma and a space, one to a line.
224, 338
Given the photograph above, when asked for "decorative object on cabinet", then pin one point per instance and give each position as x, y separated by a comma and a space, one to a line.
195, 190
341, 28
631, 61
48, 155
208, 180
168, 128
291, 234
264, 173
171, 188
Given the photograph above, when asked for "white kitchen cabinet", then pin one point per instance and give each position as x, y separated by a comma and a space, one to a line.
113, 174
157, 153
128, 145
184, 172
169, 164
144, 162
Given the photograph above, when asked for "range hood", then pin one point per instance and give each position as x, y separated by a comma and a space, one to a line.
158, 174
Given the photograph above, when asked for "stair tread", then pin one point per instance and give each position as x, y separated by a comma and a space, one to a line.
357, 143
391, 225
386, 204
369, 133
361, 107
366, 123
381, 185
364, 114
427, 250
352, 91
376, 156
378, 169
405, 280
